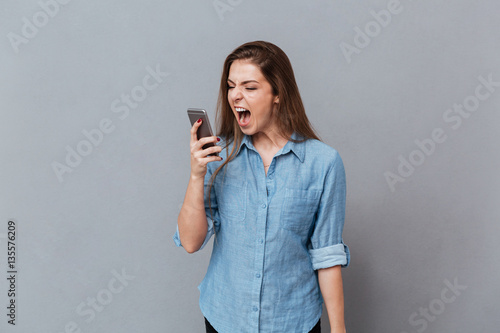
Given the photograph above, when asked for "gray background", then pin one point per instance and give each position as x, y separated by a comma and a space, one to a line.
116, 211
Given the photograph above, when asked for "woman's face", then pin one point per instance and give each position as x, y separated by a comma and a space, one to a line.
251, 98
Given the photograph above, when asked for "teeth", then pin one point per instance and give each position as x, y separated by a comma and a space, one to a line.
240, 109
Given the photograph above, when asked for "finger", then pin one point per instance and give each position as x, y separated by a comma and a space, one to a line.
213, 159
194, 129
209, 139
201, 154
211, 150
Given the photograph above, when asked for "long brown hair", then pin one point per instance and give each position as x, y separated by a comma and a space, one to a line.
277, 70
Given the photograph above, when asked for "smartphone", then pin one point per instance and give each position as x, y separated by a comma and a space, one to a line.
205, 129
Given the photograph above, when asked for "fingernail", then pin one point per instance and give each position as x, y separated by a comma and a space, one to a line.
218, 139
199, 120
221, 158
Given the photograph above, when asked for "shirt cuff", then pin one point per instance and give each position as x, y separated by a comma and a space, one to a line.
330, 256
176, 238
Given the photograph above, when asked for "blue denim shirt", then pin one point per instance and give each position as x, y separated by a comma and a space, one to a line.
271, 234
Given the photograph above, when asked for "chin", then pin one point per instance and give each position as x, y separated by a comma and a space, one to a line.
247, 131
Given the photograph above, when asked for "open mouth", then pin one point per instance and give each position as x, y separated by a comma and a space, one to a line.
243, 116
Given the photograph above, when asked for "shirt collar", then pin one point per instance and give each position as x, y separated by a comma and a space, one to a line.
298, 148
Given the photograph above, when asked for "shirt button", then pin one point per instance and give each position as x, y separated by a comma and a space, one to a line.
255, 309
270, 176
261, 241
257, 275
264, 206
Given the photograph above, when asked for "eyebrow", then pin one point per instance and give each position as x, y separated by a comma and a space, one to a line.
244, 82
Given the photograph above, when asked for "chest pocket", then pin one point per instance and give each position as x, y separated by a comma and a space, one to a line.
232, 199
299, 209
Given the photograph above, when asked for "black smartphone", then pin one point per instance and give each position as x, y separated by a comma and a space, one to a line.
205, 129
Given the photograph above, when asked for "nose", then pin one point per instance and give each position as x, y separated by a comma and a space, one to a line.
235, 94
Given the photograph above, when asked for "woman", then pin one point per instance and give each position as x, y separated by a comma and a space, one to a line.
275, 202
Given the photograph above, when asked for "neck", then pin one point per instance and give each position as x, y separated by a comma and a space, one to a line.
269, 140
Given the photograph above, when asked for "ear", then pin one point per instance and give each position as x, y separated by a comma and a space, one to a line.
276, 99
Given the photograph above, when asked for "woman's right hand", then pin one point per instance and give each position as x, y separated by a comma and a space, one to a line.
199, 156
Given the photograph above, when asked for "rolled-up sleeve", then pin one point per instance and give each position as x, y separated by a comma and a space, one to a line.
327, 248
211, 212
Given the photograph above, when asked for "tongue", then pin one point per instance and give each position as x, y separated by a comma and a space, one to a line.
244, 118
